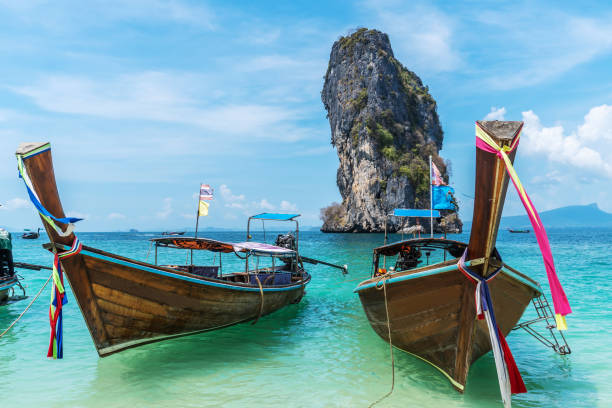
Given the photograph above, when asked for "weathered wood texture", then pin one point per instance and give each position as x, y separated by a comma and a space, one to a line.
491, 184
124, 305
434, 316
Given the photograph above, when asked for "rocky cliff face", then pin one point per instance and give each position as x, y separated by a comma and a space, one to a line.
384, 126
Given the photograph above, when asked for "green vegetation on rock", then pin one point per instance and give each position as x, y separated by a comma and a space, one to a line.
361, 100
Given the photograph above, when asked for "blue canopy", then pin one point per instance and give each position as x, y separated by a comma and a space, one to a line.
443, 198
408, 212
275, 216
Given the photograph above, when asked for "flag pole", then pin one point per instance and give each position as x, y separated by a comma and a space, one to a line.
430, 199
197, 220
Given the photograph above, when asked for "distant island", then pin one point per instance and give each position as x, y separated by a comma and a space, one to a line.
571, 216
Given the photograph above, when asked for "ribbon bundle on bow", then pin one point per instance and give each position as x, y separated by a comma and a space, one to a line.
58, 293
508, 375
44, 213
560, 302
58, 300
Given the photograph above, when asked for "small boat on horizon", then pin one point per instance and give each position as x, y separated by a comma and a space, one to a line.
31, 234
173, 233
519, 231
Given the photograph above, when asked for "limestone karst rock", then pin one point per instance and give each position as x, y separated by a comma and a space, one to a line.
384, 126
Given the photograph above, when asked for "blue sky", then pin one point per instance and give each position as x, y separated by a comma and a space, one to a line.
144, 100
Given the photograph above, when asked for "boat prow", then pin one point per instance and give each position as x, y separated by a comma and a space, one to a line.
128, 303
432, 309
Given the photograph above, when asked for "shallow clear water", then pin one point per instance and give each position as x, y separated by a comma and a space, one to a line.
321, 352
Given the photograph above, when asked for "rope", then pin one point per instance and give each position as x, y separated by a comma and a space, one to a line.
261, 304
390, 348
27, 307
149, 251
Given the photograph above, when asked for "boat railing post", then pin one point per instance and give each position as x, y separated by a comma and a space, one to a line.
385, 240
430, 199
156, 253
297, 235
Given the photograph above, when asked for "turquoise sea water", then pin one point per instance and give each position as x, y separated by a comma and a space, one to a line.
319, 353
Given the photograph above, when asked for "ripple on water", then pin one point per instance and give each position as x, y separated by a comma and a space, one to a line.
319, 353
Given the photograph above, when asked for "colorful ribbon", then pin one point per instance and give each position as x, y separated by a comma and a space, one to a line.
44, 213
58, 293
508, 375
58, 300
560, 302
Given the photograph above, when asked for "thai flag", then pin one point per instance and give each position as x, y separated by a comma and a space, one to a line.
206, 193
436, 176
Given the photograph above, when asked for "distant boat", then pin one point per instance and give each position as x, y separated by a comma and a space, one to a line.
8, 278
519, 231
127, 303
173, 233
31, 234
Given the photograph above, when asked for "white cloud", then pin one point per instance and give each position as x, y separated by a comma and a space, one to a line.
166, 208
116, 216
265, 205
540, 46
228, 196
589, 148
271, 62
496, 114
550, 178
15, 204
421, 33
163, 97
98, 13
288, 206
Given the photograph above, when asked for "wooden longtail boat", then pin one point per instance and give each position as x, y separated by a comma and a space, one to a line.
518, 231
8, 278
31, 234
127, 303
431, 309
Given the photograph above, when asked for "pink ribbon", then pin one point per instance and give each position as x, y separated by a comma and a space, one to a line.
559, 298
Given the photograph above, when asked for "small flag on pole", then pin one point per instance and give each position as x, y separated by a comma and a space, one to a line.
206, 194
203, 211
436, 176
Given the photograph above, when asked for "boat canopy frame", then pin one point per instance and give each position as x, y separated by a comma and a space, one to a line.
454, 248
275, 217
206, 244
410, 213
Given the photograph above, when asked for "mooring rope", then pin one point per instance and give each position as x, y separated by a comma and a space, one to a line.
384, 286
261, 304
27, 307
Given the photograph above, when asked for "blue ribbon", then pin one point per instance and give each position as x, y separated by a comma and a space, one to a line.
43, 210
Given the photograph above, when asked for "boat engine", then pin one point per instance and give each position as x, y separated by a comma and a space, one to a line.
6, 256
286, 241
408, 259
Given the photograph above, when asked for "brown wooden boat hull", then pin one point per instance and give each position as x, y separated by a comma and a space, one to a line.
430, 314
127, 303
5, 289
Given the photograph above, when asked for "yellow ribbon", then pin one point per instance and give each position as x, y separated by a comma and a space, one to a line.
502, 151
